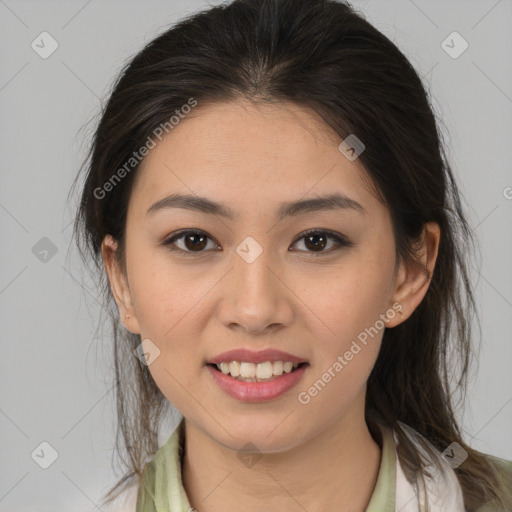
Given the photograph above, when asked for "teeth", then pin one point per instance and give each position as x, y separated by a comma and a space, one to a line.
278, 367
247, 370
234, 368
264, 370
252, 372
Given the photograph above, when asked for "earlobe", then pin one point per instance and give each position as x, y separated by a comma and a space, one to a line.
413, 278
118, 284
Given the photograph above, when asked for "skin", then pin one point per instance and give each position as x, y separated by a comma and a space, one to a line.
307, 303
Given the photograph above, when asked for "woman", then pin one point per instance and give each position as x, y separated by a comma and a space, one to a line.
269, 197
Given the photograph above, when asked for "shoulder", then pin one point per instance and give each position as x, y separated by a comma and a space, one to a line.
146, 492
161, 476
504, 470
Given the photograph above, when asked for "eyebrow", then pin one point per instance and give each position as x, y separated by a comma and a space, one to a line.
325, 202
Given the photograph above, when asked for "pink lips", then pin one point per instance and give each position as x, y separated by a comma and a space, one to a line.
256, 391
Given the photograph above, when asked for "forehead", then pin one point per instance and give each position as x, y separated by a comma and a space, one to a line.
248, 155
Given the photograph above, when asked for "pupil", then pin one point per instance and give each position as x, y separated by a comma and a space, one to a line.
316, 244
193, 245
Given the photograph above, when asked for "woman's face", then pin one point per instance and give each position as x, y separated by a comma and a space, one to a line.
253, 280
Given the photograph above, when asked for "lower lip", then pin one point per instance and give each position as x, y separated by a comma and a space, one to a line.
257, 391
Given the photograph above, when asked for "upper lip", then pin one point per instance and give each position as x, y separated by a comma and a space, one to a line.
251, 356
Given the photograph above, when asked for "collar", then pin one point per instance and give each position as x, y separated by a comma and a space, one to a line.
161, 488
383, 497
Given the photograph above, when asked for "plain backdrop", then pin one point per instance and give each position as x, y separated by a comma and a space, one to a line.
55, 368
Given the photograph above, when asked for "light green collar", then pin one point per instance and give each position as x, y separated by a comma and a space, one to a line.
383, 497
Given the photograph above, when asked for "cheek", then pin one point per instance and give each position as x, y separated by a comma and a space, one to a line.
350, 310
178, 370
331, 391
170, 313
347, 302
167, 297
346, 351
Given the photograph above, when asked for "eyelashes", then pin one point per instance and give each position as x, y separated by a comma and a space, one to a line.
197, 239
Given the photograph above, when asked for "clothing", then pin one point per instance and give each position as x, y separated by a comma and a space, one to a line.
161, 488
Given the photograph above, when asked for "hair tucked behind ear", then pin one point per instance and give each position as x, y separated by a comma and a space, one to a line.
326, 56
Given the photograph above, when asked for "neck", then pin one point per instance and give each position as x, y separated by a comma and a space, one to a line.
342, 467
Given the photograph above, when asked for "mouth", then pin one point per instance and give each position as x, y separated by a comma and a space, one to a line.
252, 372
256, 382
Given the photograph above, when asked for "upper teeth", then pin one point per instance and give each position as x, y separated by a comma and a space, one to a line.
260, 371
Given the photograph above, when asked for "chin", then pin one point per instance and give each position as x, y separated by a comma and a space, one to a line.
269, 433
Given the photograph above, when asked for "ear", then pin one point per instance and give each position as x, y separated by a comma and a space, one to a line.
411, 281
119, 284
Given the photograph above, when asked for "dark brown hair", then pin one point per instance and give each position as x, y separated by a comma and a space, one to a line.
324, 55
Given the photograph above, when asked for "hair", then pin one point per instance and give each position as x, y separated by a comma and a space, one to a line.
323, 55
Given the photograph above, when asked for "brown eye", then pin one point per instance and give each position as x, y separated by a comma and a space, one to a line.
192, 241
317, 240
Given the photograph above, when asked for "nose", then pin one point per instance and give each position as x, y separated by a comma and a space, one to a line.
255, 296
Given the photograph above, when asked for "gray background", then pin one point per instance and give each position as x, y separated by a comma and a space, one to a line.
55, 369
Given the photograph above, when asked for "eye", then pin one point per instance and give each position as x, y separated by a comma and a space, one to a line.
315, 241
193, 240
